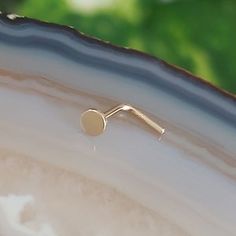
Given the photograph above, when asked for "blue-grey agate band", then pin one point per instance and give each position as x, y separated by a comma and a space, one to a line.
56, 45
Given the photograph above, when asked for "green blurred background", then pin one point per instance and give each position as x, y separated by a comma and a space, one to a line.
198, 35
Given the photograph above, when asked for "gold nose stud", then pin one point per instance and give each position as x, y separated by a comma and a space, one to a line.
93, 122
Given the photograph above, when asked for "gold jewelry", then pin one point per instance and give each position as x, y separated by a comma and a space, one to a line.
93, 121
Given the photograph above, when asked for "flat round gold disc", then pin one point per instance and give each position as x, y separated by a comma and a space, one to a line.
93, 122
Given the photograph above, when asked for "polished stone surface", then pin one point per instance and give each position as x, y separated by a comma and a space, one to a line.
55, 180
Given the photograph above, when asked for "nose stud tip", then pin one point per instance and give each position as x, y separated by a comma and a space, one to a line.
93, 122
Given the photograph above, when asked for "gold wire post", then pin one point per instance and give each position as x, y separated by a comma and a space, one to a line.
93, 122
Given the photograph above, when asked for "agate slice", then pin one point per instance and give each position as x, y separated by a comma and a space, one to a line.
57, 181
